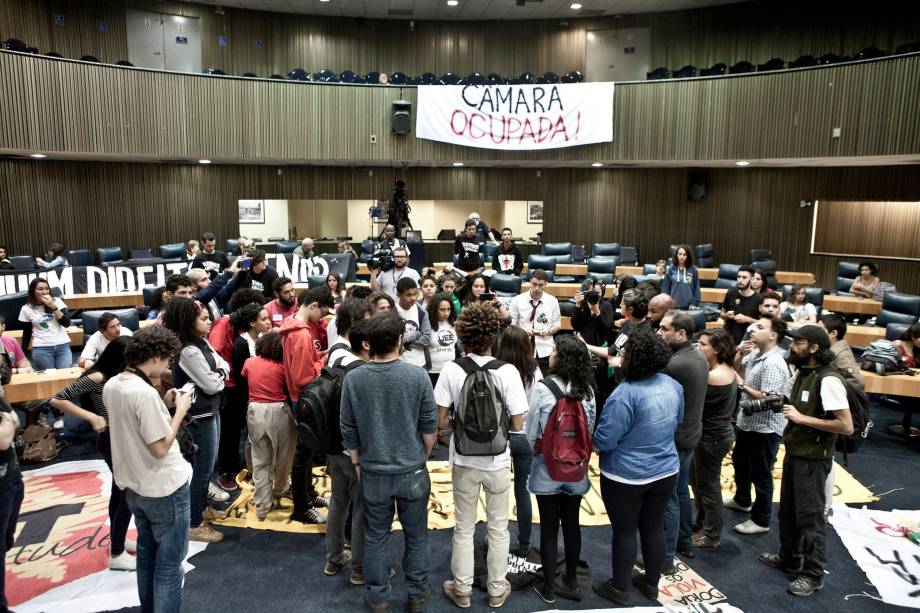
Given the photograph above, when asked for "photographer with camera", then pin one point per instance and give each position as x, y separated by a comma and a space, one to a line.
818, 412
593, 322
760, 424
391, 242
385, 274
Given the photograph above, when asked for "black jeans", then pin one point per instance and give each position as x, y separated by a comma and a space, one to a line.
555, 510
119, 511
302, 490
706, 481
232, 420
10, 503
631, 508
753, 460
801, 515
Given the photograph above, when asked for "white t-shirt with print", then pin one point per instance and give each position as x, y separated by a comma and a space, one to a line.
507, 382
410, 316
443, 346
46, 330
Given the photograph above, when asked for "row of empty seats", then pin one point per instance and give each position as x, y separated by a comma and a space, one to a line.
805, 61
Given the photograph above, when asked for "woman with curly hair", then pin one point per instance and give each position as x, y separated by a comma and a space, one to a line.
443, 347
381, 303
639, 465
559, 502
201, 369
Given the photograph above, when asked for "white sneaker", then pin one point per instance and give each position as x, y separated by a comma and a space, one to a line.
217, 493
124, 561
130, 546
729, 503
750, 527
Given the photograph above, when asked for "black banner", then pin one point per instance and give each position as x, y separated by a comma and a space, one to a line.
133, 276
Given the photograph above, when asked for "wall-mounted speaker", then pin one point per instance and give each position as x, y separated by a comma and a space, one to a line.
402, 117
697, 181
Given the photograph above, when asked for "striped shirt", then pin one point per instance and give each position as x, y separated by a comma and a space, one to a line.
88, 393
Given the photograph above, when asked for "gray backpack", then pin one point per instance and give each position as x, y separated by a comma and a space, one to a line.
480, 419
882, 357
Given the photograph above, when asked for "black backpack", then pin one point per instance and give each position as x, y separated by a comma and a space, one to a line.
319, 407
858, 401
480, 419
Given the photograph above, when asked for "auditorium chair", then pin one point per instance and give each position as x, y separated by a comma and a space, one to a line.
672, 249
141, 254
249, 75
80, 257
832, 58
274, 239
606, 278
22, 262
214, 72
398, 78
716, 70
367, 250
505, 286
316, 281
757, 255
449, 78
489, 250
148, 293
298, 74
559, 250
728, 276
277, 77
14, 44
605, 250
894, 331
232, 246
686, 72
658, 74
814, 295
649, 269
124, 63
495, 79
10, 305
109, 255
869, 53
803, 61
547, 77
705, 256
604, 266
347, 76
53, 54
428, 78
774, 64
768, 269
846, 274
372, 77
699, 319
89, 58
899, 308
907, 48
526, 78
543, 262
741, 67
573, 76
127, 317
629, 256
286, 246
172, 251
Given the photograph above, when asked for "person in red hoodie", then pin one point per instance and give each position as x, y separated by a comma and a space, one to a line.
303, 361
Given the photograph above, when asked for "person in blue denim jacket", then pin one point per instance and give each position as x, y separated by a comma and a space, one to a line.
559, 502
639, 464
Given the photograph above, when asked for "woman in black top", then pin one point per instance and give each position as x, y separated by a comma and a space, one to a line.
719, 349
88, 390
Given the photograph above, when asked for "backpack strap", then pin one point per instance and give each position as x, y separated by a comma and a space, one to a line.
467, 364
553, 387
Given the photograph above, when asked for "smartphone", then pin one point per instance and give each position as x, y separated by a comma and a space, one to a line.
245, 264
487, 297
189, 388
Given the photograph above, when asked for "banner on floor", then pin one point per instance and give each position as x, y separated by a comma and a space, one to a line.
878, 542
135, 276
516, 117
59, 558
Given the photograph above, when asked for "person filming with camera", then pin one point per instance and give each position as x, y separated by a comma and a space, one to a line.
760, 424
385, 277
817, 411
593, 322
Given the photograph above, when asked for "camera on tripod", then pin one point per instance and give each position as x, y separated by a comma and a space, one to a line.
770, 402
382, 260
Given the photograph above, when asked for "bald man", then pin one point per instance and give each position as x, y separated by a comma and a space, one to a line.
657, 307
305, 250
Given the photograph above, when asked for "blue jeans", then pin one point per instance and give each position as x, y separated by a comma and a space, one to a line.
410, 494
204, 431
56, 356
678, 517
162, 544
521, 459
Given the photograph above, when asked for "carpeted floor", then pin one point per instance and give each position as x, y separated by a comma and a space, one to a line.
252, 570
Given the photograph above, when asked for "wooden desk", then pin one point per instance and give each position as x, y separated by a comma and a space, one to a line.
863, 335
713, 294
35, 386
75, 333
104, 301
895, 385
852, 304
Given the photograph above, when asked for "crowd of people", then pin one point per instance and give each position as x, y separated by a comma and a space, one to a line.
215, 391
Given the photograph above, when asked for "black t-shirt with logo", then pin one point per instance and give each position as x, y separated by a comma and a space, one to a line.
468, 250
741, 305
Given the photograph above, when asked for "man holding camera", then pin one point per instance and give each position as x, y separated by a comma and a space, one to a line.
385, 280
818, 412
593, 322
760, 424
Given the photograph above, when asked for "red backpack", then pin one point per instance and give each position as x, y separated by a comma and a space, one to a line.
566, 443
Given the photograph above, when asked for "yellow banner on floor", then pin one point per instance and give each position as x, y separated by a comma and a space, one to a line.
242, 513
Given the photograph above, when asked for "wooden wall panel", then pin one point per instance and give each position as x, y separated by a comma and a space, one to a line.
73, 106
754, 31
92, 204
889, 230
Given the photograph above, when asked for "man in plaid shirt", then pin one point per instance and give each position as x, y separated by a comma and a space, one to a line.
759, 434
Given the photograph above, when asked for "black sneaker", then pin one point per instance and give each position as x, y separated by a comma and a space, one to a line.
804, 586
569, 588
774, 561
540, 588
320, 502
417, 604
310, 516
606, 590
649, 591
686, 550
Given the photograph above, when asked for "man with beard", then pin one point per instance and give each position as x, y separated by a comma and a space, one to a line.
818, 412
741, 305
508, 259
284, 306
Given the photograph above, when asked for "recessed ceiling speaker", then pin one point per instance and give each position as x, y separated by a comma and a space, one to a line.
697, 181
402, 117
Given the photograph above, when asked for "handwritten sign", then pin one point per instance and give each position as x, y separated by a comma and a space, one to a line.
516, 117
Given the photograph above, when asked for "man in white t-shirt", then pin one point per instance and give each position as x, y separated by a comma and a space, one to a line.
477, 326
418, 328
148, 465
537, 313
110, 328
386, 281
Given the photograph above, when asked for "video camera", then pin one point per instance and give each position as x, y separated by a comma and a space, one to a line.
382, 260
770, 402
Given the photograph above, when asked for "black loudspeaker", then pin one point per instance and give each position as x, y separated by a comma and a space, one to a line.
697, 181
402, 117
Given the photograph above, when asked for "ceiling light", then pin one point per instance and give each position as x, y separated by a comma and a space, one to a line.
742, 163
38, 155
597, 164
204, 161
575, 7
458, 164
452, 3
